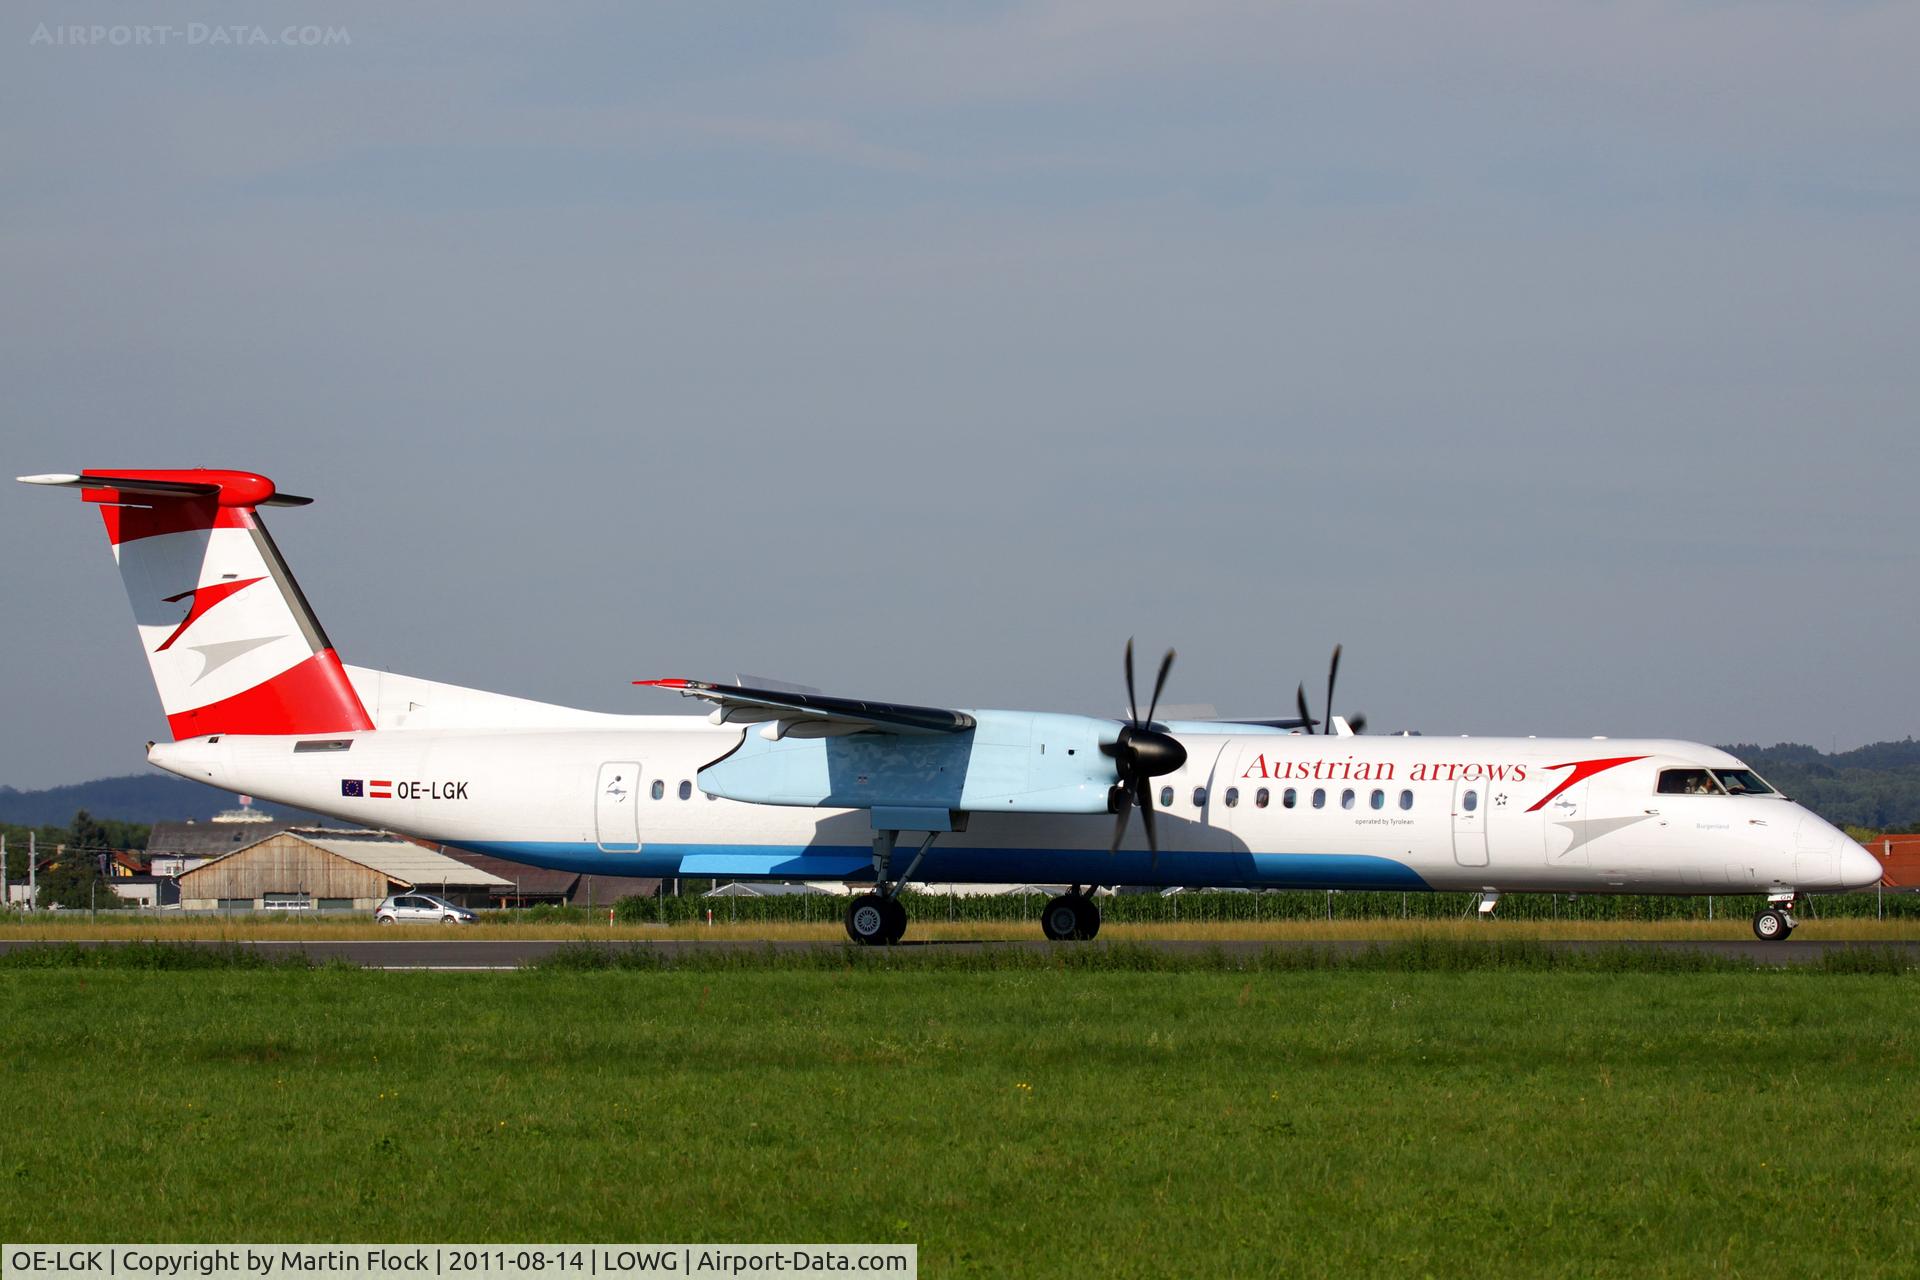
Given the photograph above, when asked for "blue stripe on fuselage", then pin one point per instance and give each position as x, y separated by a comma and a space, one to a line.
971, 865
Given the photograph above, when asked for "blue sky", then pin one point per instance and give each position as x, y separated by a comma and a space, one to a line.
1557, 358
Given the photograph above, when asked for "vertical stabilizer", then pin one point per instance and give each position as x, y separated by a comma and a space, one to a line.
232, 643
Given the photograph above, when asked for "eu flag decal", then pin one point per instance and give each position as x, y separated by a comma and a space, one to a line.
352, 787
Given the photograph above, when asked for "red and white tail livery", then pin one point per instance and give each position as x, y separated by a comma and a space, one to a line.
233, 646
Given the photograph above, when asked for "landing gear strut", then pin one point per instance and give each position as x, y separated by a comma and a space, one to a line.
1775, 923
878, 919
1071, 917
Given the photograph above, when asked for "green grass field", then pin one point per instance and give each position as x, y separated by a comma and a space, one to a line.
1023, 1120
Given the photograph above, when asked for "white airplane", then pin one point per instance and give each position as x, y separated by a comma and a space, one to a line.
776, 784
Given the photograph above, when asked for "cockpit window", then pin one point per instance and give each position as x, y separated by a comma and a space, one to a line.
1688, 782
1743, 782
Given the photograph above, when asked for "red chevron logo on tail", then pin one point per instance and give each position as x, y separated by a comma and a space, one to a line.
204, 598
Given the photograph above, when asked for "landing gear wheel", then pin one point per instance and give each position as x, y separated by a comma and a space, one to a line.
1071, 917
874, 921
1772, 925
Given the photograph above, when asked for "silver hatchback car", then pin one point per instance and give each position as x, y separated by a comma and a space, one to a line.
420, 908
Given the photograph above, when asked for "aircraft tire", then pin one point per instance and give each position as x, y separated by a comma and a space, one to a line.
869, 923
896, 920
1771, 926
1071, 917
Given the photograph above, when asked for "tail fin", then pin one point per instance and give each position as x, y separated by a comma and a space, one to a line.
233, 644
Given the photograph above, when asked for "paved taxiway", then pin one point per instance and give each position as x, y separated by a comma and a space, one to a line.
443, 952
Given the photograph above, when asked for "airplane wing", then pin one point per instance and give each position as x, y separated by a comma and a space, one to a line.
814, 715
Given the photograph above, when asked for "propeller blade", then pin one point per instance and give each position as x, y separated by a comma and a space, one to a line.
1146, 817
1119, 828
1159, 683
1333, 670
1300, 701
1133, 704
1357, 723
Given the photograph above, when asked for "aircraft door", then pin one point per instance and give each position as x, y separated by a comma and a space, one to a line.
616, 807
1470, 823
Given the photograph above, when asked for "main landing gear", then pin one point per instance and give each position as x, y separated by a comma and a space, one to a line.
1071, 917
878, 919
1775, 923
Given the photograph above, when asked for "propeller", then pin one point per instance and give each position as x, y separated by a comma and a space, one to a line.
1140, 754
1356, 722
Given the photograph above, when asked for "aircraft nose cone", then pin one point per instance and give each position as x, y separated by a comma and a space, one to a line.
1858, 868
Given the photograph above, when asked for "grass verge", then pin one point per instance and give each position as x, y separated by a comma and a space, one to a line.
1018, 1120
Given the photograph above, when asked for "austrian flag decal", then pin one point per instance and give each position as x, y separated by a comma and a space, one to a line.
388, 789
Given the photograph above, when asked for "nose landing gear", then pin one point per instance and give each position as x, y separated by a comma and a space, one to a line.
1775, 923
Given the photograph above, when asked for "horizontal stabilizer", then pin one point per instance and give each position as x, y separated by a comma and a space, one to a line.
227, 488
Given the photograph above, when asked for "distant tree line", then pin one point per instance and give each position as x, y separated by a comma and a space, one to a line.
74, 859
1875, 789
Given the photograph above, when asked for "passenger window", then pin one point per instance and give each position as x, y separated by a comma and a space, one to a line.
1260, 798
1233, 796
1289, 797
1743, 782
1470, 801
659, 788
1346, 798
1406, 799
1199, 797
1319, 797
686, 790
1166, 797
1687, 782
1378, 800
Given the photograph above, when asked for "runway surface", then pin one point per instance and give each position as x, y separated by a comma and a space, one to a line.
456, 953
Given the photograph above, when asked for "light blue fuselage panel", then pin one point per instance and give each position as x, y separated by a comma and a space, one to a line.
1010, 762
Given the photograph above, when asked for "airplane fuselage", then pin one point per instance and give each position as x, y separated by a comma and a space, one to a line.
1255, 810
